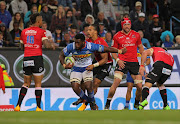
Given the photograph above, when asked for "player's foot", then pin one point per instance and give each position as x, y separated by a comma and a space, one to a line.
167, 108
39, 109
106, 107
142, 105
82, 107
136, 106
17, 108
93, 106
126, 108
77, 102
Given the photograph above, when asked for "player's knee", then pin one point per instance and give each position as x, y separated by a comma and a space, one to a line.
149, 80
75, 80
88, 79
129, 89
118, 76
138, 81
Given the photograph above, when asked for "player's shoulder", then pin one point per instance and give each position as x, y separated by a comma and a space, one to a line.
119, 33
135, 33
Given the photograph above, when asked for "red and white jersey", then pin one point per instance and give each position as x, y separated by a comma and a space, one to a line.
130, 41
97, 54
159, 54
32, 39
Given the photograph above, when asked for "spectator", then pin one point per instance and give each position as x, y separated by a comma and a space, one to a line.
38, 3
48, 33
88, 20
52, 5
58, 19
58, 37
46, 15
28, 15
142, 24
135, 13
5, 16
1, 40
72, 32
106, 7
6, 36
101, 19
102, 31
144, 41
89, 7
16, 33
155, 29
66, 40
167, 39
177, 44
17, 18
67, 4
85, 31
118, 26
109, 38
71, 19
19, 6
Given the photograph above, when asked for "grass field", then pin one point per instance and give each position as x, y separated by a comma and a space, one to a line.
92, 117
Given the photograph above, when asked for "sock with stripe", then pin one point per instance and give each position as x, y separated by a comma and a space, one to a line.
164, 96
127, 104
83, 95
145, 93
22, 94
38, 93
91, 96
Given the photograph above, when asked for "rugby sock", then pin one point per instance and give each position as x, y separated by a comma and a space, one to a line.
145, 93
22, 93
108, 101
91, 96
127, 104
164, 96
136, 102
83, 96
38, 93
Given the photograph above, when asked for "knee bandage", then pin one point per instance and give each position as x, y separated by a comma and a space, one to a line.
117, 76
75, 80
138, 81
88, 79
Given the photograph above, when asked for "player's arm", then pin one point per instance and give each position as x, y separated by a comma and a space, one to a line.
148, 61
115, 50
21, 45
141, 48
48, 44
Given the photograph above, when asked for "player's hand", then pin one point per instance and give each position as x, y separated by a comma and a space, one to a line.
4, 91
124, 50
68, 66
90, 67
121, 64
142, 70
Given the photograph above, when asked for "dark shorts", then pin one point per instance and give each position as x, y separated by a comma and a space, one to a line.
132, 67
102, 71
33, 65
159, 73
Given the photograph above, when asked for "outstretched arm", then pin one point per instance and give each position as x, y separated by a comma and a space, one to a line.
115, 50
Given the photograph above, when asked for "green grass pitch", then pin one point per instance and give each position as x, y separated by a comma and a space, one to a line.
92, 117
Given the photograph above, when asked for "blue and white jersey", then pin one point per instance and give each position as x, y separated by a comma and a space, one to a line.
82, 57
139, 55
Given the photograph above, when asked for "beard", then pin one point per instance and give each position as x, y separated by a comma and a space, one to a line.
126, 30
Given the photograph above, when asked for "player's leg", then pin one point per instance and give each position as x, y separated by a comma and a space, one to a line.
117, 79
23, 91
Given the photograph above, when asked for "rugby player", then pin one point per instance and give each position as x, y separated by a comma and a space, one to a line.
128, 61
130, 81
32, 39
81, 51
160, 72
104, 61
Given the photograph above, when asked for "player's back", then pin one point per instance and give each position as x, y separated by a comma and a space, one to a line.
32, 39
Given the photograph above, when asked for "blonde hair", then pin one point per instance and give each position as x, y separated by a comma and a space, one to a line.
177, 37
63, 12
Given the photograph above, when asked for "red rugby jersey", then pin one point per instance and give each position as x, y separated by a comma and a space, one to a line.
160, 54
32, 39
130, 41
97, 54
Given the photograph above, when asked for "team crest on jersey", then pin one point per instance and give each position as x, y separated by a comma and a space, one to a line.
133, 36
87, 52
75, 52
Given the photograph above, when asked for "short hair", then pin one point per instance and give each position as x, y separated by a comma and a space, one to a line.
85, 25
16, 23
73, 27
44, 22
33, 17
80, 36
34, 5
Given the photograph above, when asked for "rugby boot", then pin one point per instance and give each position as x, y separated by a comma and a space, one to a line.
167, 108
17, 108
93, 106
82, 107
39, 109
142, 105
106, 107
78, 101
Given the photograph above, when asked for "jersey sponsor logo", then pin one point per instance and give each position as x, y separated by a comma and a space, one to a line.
31, 46
75, 52
4, 61
157, 103
18, 68
120, 37
100, 48
126, 45
30, 32
82, 56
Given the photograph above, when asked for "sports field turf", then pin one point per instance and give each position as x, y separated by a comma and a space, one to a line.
92, 117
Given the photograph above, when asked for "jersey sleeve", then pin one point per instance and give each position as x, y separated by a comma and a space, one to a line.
21, 37
138, 39
97, 47
44, 35
68, 49
114, 42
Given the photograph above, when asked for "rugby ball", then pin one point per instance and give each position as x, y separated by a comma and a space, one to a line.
69, 60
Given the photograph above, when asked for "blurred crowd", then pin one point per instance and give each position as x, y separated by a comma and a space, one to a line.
62, 19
